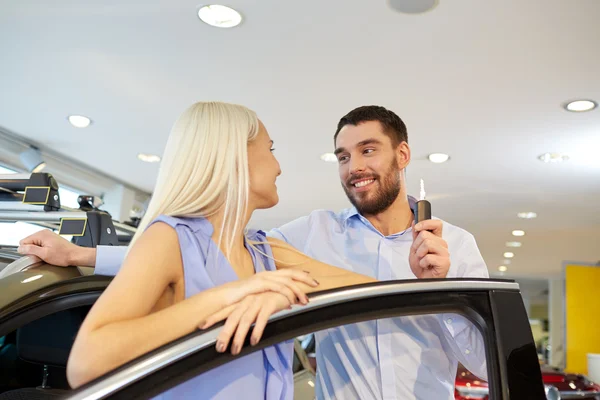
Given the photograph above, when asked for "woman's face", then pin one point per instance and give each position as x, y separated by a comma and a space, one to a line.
264, 170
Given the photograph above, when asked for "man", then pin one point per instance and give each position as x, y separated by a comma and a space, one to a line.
413, 357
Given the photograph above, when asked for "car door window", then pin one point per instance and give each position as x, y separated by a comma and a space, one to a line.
407, 339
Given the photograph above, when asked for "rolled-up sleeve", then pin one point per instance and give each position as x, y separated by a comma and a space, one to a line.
109, 259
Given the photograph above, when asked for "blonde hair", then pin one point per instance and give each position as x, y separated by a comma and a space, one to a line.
204, 168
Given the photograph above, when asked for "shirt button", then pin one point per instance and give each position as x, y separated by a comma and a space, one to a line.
467, 351
449, 320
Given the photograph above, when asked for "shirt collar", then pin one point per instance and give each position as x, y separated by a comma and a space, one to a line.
353, 212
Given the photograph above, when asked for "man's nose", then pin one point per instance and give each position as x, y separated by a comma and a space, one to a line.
357, 165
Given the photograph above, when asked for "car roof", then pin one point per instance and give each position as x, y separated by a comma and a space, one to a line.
37, 277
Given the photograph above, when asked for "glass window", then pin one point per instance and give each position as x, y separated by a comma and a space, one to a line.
421, 357
4, 170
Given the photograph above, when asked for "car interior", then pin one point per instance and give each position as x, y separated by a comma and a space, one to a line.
33, 358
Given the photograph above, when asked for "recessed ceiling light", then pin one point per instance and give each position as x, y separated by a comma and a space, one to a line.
329, 157
508, 254
581, 105
553, 157
527, 215
413, 6
438, 158
79, 121
513, 244
149, 158
220, 16
518, 233
502, 268
506, 262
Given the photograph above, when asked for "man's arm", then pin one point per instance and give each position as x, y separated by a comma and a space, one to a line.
328, 276
463, 337
58, 251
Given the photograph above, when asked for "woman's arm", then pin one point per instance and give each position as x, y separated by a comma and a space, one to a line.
328, 276
121, 325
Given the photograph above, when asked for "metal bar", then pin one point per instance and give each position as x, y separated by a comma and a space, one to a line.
50, 216
125, 228
15, 206
14, 177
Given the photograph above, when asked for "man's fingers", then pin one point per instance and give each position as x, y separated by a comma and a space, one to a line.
419, 240
431, 246
30, 249
434, 226
431, 261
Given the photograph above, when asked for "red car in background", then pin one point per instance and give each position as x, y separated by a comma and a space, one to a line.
559, 386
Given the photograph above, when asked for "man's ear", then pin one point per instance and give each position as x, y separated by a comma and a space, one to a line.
403, 155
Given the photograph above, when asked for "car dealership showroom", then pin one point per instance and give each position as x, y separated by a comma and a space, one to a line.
332, 199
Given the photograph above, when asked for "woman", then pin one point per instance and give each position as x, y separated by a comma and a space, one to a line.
191, 262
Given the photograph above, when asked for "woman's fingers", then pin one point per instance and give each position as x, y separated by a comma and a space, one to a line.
244, 326
230, 326
218, 316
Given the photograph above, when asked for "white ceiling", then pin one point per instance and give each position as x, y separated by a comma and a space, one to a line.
481, 80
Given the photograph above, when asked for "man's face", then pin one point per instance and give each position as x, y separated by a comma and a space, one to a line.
369, 166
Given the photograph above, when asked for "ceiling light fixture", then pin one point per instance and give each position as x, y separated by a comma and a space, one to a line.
79, 121
502, 268
513, 244
438, 158
508, 254
553, 157
219, 16
413, 6
527, 215
329, 157
32, 159
580, 105
518, 232
149, 158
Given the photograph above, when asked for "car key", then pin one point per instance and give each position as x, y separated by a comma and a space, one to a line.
423, 207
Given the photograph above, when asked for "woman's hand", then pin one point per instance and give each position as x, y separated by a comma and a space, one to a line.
284, 282
253, 309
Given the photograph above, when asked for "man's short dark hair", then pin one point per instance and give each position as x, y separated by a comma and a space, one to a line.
392, 125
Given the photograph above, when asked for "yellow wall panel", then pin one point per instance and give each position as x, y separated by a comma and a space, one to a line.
582, 309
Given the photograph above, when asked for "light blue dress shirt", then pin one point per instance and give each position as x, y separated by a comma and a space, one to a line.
412, 357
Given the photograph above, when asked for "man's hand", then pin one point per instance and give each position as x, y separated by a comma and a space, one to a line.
429, 256
252, 309
56, 250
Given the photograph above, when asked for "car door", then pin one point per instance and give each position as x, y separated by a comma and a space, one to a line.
494, 307
41, 310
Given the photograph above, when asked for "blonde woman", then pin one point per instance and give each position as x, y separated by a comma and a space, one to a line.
193, 258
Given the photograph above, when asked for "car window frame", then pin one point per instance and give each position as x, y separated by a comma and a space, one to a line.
495, 307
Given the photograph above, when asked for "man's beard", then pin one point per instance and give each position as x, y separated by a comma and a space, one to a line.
367, 203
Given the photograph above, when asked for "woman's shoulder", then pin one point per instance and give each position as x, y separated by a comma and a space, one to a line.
195, 224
